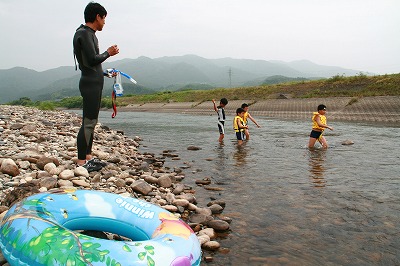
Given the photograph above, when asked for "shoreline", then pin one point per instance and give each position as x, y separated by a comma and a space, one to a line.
381, 110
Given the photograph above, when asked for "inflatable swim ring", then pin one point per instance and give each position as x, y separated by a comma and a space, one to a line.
40, 231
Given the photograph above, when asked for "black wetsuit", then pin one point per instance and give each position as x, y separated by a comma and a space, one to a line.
86, 50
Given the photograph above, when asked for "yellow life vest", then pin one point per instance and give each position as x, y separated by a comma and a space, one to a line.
246, 114
236, 126
315, 124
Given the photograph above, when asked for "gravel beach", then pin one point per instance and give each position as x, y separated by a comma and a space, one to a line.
38, 154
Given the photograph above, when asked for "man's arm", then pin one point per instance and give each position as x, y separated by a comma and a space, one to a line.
89, 55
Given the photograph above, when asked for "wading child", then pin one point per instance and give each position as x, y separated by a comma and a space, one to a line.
247, 115
318, 127
221, 117
239, 126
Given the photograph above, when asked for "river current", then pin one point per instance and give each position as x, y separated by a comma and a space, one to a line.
289, 205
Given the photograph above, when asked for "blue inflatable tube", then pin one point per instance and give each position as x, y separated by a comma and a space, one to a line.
43, 229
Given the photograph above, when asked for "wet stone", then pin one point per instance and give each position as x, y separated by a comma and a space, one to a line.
218, 225
198, 218
203, 182
193, 148
219, 202
211, 245
215, 208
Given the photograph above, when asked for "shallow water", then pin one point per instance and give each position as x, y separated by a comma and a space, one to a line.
289, 205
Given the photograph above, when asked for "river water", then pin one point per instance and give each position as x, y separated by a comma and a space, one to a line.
289, 205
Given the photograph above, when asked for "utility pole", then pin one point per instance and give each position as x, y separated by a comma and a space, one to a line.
230, 77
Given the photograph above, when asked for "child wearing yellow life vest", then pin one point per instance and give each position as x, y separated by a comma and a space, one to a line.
247, 116
318, 127
239, 126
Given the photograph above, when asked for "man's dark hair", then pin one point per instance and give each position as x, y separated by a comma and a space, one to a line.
240, 110
244, 105
91, 11
224, 101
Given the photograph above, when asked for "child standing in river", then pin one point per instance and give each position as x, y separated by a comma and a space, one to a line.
239, 126
221, 117
318, 127
247, 116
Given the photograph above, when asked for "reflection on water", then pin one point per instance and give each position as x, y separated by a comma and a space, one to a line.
221, 158
289, 205
240, 155
317, 166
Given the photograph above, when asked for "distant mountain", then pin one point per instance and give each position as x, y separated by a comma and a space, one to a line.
315, 70
22, 82
160, 74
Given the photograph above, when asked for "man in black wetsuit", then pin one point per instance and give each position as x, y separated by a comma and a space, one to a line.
86, 50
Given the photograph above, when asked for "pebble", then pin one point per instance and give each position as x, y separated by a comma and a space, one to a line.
218, 225
193, 148
209, 232
211, 245
215, 208
347, 142
203, 239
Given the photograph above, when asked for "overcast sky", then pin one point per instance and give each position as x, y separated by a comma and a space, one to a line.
357, 34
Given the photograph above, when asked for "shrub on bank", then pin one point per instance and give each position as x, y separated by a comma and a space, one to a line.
46, 105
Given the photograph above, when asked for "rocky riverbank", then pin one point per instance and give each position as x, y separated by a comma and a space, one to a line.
38, 153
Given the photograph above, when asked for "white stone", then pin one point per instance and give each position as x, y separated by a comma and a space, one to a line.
49, 167
66, 174
211, 245
24, 164
81, 171
43, 189
181, 202
203, 239
209, 232
80, 183
65, 183
170, 208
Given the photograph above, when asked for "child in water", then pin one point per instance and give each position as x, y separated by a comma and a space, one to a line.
318, 127
239, 126
247, 115
221, 117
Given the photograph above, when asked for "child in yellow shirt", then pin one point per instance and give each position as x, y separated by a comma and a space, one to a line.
318, 127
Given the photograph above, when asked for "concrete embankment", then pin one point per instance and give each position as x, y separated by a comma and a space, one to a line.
380, 109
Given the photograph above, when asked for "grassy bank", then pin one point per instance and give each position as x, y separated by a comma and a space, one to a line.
337, 86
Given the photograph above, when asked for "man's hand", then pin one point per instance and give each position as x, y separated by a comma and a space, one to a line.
113, 50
